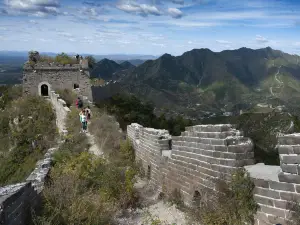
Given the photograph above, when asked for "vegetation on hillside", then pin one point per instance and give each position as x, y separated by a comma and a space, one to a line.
84, 189
27, 130
129, 109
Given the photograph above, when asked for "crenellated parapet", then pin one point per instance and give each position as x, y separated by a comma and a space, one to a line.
194, 160
205, 153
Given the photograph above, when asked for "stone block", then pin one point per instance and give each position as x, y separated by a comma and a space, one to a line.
290, 159
297, 187
220, 148
282, 186
267, 192
282, 204
285, 149
261, 183
217, 142
272, 211
263, 200
289, 178
277, 220
290, 139
296, 149
289, 168
238, 148
290, 196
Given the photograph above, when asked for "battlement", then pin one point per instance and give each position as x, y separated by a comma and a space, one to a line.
43, 66
203, 154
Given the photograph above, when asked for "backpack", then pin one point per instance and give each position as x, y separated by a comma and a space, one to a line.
80, 103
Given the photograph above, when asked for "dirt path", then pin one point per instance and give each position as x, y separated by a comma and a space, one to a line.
281, 84
94, 147
152, 209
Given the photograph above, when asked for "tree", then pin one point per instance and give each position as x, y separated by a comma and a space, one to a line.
91, 61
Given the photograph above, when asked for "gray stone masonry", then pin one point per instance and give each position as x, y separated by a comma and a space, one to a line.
17, 201
206, 153
56, 76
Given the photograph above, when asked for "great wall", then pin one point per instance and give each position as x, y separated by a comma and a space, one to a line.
206, 153
189, 163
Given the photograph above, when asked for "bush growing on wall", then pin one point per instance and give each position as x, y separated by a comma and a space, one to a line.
30, 124
233, 204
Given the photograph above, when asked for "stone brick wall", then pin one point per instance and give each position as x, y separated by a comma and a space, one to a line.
17, 201
56, 77
193, 160
205, 153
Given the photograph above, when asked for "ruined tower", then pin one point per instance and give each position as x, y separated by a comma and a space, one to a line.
41, 77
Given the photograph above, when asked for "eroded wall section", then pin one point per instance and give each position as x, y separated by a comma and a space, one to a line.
205, 153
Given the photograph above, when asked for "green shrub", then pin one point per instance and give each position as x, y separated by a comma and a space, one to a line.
30, 124
233, 204
62, 58
67, 95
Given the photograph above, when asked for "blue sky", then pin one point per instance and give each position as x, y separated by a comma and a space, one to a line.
148, 26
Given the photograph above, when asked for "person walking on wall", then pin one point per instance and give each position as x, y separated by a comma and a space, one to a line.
88, 113
77, 101
83, 120
80, 103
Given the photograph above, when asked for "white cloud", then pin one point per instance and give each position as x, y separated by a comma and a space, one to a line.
175, 13
124, 41
160, 45
140, 9
297, 43
33, 21
223, 42
35, 7
261, 39
64, 34
44, 40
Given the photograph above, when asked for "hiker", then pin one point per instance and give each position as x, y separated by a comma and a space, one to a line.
83, 120
88, 113
79, 103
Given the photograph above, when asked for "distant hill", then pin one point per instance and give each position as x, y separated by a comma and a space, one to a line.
127, 65
109, 69
135, 62
201, 81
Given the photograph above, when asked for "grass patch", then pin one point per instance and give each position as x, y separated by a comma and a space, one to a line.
67, 95
62, 58
28, 130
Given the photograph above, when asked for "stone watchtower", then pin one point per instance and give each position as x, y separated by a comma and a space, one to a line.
41, 77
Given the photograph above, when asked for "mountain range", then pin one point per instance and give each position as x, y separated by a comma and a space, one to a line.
201, 81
